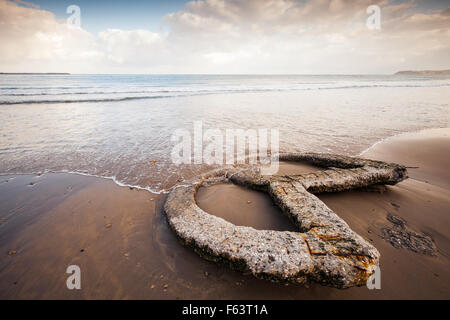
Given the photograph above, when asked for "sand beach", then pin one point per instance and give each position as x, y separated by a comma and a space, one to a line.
120, 238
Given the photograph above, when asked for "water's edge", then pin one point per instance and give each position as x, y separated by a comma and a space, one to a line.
165, 191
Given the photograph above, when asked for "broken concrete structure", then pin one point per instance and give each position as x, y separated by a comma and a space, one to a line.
324, 250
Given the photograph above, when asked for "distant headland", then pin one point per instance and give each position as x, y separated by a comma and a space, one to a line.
424, 72
26, 73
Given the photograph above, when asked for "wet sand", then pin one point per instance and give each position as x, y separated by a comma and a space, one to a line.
121, 241
232, 202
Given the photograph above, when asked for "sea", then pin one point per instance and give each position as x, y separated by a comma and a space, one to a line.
121, 127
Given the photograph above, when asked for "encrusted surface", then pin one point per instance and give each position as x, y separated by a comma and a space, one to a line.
325, 250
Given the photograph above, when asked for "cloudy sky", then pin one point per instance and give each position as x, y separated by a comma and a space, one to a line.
224, 36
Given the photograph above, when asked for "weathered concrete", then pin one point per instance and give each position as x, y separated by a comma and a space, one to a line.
325, 250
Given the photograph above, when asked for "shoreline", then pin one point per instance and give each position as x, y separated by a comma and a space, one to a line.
399, 135
125, 249
167, 190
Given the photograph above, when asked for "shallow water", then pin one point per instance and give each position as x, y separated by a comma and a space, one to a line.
130, 139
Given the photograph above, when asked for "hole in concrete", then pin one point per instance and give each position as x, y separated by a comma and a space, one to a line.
243, 207
294, 168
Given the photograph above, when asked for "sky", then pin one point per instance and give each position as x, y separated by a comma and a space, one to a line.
224, 36
100, 15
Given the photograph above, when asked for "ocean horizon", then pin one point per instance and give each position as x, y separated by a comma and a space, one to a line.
119, 126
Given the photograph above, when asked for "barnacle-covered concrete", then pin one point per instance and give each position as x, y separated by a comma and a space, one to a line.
324, 250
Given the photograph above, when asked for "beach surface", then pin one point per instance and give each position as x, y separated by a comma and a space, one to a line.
119, 237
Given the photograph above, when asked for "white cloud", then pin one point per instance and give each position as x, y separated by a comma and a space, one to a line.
32, 40
135, 47
232, 36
